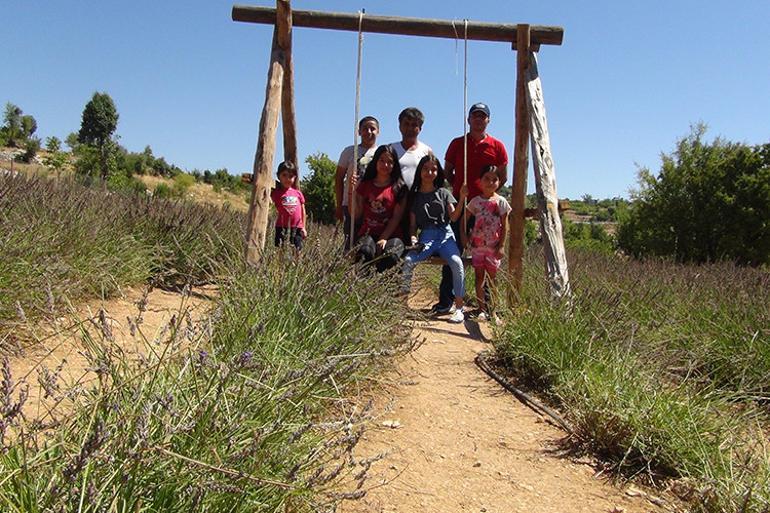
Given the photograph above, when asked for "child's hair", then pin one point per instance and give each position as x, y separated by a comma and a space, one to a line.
289, 166
396, 180
487, 169
491, 168
440, 179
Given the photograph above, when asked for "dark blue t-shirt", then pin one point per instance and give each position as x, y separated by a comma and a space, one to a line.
432, 208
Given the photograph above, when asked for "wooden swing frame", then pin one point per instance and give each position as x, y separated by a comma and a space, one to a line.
530, 122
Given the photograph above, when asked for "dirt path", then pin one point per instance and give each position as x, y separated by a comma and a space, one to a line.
60, 349
458, 442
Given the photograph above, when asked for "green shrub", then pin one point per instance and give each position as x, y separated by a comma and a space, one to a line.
710, 201
31, 147
162, 190
587, 236
121, 182
182, 182
318, 188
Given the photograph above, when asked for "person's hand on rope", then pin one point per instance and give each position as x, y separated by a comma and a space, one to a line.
463, 193
352, 186
303, 231
381, 244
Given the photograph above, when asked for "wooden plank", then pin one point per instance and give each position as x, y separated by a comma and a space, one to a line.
520, 167
288, 112
259, 206
478, 31
437, 260
545, 184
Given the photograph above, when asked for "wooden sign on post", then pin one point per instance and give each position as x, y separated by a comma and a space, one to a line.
545, 184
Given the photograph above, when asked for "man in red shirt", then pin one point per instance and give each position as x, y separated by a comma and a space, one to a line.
483, 150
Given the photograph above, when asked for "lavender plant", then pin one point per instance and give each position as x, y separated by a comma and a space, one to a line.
59, 239
662, 368
247, 415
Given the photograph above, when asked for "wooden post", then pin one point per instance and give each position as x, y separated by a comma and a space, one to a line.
545, 183
263, 181
288, 113
520, 165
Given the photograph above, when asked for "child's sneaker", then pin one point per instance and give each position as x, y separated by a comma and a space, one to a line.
458, 316
482, 316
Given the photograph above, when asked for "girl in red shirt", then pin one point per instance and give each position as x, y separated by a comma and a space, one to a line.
379, 207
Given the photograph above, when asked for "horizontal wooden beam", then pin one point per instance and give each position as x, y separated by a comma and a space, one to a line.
478, 31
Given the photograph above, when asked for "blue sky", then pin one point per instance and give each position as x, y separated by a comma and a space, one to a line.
629, 79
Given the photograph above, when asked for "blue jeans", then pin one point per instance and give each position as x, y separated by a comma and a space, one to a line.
445, 297
438, 240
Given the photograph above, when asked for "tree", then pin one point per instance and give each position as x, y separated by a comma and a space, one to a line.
12, 129
56, 159
100, 119
52, 144
318, 189
31, 147
72, 141
28, 126
708, 202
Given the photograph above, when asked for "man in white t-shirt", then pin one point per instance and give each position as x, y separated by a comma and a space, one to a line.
409, 149
368, 130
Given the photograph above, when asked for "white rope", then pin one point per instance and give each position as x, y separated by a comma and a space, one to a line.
457, 53
352, 193
465, 130
465, 107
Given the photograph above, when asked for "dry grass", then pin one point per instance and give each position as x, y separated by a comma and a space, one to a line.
202, 193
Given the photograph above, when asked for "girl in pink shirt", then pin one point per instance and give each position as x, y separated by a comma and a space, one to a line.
290, 205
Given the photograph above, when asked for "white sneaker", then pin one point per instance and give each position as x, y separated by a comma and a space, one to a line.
482, 316
457, 316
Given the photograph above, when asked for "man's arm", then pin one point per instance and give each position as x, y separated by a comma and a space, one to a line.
502, 169
339, 180
502, 173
